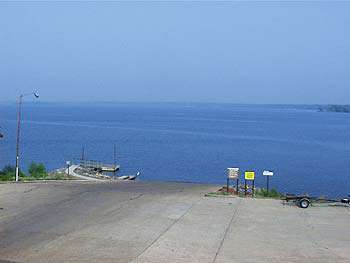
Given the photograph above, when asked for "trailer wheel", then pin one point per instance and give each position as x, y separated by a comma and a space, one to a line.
304, 203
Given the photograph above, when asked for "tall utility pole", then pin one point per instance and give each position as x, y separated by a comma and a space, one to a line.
19, 129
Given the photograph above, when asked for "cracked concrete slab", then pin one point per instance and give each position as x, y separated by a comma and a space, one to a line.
162, 222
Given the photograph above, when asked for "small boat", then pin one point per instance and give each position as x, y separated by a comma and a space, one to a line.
133, 177
124, 177
129, 177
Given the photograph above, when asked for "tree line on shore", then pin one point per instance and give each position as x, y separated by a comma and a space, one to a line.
36, 171
334, 108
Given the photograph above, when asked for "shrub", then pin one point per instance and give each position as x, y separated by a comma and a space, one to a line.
8, 173
273, 193
37, 170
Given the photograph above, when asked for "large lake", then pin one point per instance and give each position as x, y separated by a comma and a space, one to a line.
308, 151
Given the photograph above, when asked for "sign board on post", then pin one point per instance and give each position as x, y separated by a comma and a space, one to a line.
268, 173
68, 164
249, 176
233, 173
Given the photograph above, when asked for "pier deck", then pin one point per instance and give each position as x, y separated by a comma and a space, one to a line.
91, 164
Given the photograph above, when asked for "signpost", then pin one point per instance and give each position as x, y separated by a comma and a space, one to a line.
68, 165
268, 174
233, 174
249, 176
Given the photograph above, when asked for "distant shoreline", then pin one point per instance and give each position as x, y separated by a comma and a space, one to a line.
342, 108
335, 108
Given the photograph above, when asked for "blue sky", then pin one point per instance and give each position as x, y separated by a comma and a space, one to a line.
239, 52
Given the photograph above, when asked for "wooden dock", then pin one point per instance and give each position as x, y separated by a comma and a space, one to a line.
99, 166
112, 168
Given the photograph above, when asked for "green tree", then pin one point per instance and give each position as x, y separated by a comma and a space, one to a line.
37, 170
8, 173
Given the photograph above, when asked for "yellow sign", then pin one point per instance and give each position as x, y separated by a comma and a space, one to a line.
249, 175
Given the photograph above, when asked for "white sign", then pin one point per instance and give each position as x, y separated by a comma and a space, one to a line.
268, 173
233, 173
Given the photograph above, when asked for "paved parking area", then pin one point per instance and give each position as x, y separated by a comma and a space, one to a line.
162, 222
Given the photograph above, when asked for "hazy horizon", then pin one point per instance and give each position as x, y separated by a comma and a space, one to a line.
195, 52
185, 103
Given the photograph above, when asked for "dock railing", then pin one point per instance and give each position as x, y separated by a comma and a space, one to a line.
92, 164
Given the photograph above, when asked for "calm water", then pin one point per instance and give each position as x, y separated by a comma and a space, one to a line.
309, 151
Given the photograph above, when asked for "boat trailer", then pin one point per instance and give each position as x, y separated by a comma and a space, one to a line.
304, 201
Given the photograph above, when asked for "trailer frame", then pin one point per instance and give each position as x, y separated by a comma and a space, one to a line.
304, 201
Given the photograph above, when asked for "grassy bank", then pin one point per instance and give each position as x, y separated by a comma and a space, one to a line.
272, 193
258, 193
36, 171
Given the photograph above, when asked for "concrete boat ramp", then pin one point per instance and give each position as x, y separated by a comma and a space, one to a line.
72, 170
162, 222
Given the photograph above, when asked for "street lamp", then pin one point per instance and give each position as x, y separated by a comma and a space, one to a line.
36, 95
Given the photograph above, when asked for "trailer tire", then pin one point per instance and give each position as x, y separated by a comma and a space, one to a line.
304, 203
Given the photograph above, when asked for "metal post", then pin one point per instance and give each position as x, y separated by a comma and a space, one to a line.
227, 184
267, 184
19, 129
18, 135
245, 187
253, 188
68, 163
237, 186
